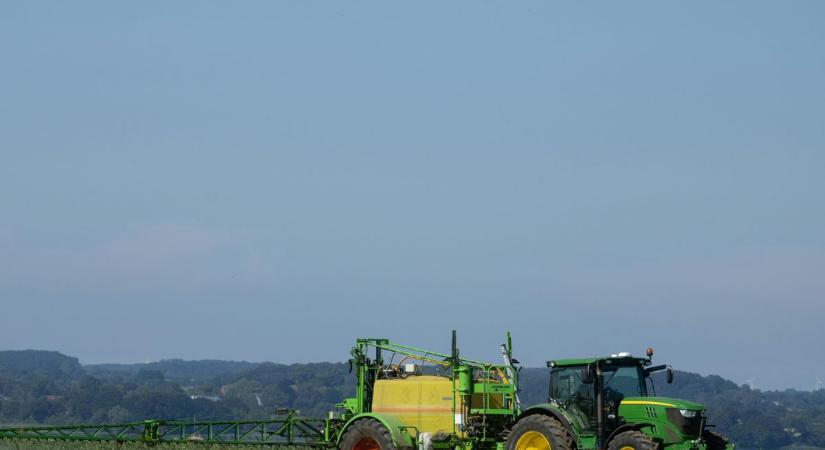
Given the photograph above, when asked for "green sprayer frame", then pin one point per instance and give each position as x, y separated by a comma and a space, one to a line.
287, 430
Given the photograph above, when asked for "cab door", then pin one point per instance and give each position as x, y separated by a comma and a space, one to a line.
568, 387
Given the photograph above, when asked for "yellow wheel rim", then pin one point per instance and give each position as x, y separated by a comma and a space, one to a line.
627, 447
532, 440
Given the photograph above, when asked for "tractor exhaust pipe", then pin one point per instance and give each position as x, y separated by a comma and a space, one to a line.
454, 349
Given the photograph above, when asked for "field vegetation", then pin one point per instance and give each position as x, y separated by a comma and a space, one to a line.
56, 445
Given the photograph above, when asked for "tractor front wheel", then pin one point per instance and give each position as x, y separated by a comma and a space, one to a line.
366, 435
632, 440
539, 432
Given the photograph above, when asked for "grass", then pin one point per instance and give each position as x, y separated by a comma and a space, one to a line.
27, 444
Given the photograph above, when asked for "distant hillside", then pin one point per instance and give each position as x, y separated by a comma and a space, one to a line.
47, 387
38, 363
173, 369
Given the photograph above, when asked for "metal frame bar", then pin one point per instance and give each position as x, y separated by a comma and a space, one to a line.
288, 431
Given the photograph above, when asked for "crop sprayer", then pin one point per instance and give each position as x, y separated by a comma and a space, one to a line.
410, 398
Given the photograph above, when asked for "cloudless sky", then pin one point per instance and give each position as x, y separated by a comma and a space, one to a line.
271, 180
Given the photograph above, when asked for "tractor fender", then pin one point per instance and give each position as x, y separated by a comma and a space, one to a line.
548, 409
626, 427
399, 437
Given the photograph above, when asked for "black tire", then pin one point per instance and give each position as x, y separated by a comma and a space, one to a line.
366, 434
557, 436
632, 439
714, 441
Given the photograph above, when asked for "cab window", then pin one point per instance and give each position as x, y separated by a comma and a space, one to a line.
623, 381
567, 387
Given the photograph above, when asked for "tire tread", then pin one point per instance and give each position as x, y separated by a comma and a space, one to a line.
562, 439
366, 428
635, 438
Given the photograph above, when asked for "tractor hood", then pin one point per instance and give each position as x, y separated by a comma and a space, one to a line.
662, 401
673, 420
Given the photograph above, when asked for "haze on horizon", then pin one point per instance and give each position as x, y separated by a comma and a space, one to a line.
268, 181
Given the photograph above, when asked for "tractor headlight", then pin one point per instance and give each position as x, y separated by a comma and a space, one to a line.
688, 413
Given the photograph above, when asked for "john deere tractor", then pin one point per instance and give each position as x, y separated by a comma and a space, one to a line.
606, 403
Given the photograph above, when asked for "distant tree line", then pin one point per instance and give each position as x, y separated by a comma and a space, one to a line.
48, 387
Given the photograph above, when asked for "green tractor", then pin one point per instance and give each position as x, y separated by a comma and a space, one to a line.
610, 403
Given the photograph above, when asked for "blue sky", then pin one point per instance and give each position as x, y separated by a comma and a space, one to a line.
270, 180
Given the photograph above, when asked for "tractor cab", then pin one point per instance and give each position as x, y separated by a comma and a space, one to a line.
591, 389
576, 386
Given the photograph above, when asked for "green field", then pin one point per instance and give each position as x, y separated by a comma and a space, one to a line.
68, 445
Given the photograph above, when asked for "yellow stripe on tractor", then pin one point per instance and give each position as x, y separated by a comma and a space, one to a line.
644, 402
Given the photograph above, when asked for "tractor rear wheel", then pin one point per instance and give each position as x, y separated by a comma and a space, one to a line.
632, 440
366, 435
539, 432
714, 441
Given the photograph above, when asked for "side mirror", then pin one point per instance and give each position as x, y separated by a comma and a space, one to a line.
588, 374
651, 369
669, 375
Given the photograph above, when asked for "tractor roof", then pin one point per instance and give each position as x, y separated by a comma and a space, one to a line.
621, 358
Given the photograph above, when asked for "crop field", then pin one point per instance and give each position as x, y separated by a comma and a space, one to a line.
21, 444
